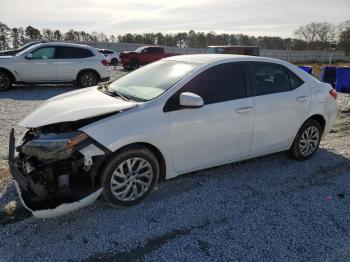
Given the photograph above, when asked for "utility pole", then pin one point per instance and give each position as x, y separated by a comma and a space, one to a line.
332, 46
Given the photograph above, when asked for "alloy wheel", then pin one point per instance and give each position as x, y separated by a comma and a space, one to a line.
309, 141
131, 179
88, 79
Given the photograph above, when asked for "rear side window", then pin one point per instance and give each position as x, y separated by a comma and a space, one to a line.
217, 84
72, 52
269, 78
155, 50
294, 80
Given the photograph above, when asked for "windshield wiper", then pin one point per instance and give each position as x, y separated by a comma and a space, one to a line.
104, 88
122, 96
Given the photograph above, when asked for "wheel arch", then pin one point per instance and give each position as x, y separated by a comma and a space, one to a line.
9, 73
159, 155
319, 118
88, 70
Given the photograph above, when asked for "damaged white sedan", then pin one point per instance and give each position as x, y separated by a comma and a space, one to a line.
174, 116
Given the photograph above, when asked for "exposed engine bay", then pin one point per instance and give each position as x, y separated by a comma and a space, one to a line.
56, 164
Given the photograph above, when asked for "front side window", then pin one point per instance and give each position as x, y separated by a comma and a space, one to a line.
268, 78
219, 83
44, 53
224, 82
64, 52
152, 80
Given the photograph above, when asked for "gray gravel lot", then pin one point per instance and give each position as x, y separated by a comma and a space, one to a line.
270, 208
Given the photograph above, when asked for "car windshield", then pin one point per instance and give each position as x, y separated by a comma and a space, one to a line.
152, 80
27, 49
139, 50
26, 46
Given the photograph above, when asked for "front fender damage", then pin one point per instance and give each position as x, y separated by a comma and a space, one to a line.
52, 187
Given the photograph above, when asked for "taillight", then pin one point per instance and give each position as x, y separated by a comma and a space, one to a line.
333, 93
104, 62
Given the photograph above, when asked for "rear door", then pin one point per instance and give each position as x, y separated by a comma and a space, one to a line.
70, 60
41, 67
282, 102
219, 131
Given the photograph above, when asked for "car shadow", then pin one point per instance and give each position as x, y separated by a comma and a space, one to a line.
242, 176
42, 92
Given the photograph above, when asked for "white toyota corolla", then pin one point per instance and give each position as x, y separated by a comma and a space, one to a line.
174, 116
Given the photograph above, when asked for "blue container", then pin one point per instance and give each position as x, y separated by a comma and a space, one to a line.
307, 69
343, 79
329, 75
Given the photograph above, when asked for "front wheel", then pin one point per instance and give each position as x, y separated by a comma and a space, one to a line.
5, 81
130, 176
307, 140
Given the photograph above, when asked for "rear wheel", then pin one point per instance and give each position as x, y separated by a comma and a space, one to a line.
88, 78
307, 140
130, 176
5, 81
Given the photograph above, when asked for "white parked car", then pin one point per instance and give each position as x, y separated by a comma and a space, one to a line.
54, 63
174, 116
111, 56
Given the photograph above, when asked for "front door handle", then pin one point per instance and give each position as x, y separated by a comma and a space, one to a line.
301, 98
244, 110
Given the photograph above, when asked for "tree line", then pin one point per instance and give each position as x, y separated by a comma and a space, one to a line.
312, 36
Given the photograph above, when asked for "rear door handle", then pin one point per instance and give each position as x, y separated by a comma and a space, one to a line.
301, 98
244, 110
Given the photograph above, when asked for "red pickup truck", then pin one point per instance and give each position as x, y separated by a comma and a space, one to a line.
142, 56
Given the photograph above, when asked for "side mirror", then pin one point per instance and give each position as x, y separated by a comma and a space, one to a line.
29, 56
188, 99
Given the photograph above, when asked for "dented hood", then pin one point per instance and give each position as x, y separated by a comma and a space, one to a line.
75, 105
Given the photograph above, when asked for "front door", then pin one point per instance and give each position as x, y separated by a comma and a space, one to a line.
40, 67
219, 131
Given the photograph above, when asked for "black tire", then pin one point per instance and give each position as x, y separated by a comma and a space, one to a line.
88, 78
111, 175
133, 64
299, 149
126, 66
114, 62
5, 81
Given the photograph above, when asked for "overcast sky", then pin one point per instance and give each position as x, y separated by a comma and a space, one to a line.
254, 17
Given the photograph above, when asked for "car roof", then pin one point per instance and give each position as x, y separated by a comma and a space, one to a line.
213, 58
65, 44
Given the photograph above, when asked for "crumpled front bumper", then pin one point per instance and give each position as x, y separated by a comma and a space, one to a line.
23, 183
63, 208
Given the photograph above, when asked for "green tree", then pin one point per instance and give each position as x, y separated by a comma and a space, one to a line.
32, 33
5, 34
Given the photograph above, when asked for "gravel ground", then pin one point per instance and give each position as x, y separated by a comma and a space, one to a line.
270, 208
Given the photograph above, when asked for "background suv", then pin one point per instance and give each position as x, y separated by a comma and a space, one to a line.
54, 63
111, 56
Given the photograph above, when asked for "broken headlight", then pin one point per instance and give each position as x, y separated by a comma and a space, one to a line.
52, 147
